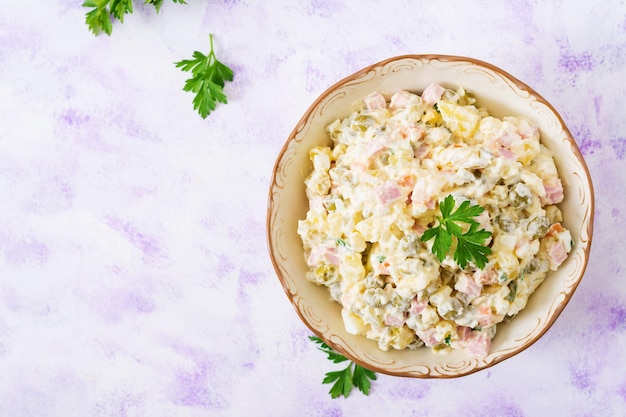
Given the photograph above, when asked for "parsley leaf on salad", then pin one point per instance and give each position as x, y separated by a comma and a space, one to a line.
469, 244
345, 379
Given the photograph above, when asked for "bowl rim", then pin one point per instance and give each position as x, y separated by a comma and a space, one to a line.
444, 58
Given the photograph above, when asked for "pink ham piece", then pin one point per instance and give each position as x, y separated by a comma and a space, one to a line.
557, 254
507, 153
418, 228
509, 139
556, 250
416, 306
394, 320
421, 196
400, 100
317, 204
485, 316
505, 142
554, 192
428, 336
527, 130
421, 151
484, 220
323, 253
388, 192
466, 284
432, 94
487, 277
375, 101
412, 133
477, 343
374, 147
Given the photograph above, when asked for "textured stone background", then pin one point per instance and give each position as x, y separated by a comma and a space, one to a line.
134, 274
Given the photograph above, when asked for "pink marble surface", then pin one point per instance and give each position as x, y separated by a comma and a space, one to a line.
134, 274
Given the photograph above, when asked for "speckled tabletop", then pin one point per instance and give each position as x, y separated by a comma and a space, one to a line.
134, 273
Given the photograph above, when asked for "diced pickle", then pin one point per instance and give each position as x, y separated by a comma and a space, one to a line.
360, 127
451, 309
415, 343
554, 214
375, 297
325, 274
538, 226
512, 291
398, 301
532, 266
520, 196
409, 243
365, 119
362, 122
373, 281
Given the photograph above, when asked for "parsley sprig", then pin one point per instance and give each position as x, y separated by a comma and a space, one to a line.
98, 19
207, 82
469, 244
345, 379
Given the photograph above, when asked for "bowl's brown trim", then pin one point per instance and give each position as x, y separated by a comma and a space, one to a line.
432, 57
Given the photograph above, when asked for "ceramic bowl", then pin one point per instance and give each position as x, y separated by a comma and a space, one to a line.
502, 95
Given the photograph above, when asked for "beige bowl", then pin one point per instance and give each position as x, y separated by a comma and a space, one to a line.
501, 95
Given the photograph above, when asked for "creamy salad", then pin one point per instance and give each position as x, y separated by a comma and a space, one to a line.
375, 191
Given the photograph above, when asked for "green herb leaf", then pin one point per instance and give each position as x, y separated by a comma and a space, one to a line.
469, 245
332, 355
158, 3
342, 382
345, 379
121, 7
464, 212
446, 206
208, 78
99, 18
361, 378
442, 244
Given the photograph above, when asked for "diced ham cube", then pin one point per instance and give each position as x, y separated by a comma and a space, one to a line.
323, 253
557, 244
554, 192
487, 277
509, 139
421, 194
432, 94
388, 192
418, 228
428, 336
317, 203
416, 306
400, 100
394, 320
557, 254
374, 147
527, 130
485, 316
477, 343
421, 151
466, 284
375, 101
507, 153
